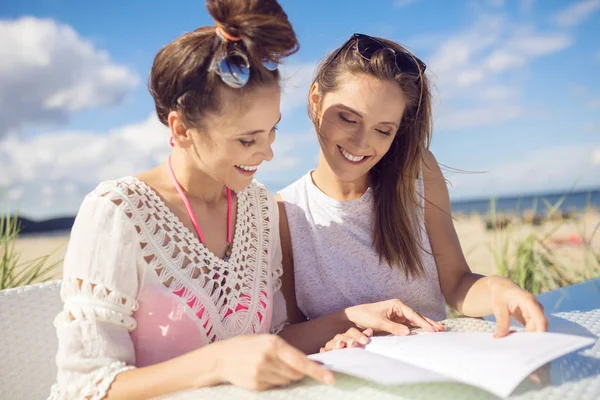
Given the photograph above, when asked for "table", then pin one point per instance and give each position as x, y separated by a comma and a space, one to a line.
574, 376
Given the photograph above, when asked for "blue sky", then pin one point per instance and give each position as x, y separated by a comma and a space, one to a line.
517, 90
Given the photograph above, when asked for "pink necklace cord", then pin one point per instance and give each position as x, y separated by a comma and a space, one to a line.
190, 211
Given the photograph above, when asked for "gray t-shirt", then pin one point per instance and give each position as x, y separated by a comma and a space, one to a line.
335, 263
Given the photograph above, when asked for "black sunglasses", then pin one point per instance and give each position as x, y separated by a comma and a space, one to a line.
367, 46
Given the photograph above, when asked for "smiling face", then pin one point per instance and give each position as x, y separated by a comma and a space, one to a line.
357, 123
232, 145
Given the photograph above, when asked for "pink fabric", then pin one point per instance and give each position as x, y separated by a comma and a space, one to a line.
167, 326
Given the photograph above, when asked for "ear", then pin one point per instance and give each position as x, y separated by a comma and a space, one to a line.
314, 99
179, 131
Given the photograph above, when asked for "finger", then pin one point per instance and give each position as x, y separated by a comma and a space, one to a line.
502, 321
338, 342
296, 360
274, 377
368, 332
533, 314
395, 328
440, 327
417, 319
285, 372
355, 338
335, 344
519, 316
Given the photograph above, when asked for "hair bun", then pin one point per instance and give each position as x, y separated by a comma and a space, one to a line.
262, 26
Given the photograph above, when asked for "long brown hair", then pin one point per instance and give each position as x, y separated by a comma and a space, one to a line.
396, 233
180, 78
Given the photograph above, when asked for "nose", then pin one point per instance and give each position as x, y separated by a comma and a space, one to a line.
267, 152
360, 139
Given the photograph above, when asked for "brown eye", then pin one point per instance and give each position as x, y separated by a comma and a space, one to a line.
247, 143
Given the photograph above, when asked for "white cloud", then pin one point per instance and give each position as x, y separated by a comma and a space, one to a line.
456, 119
526, 5
595, 104
15, 195
577, 13
596, 157
83, 157
578, 90
404, 3
502, 59
591, 127
50, 173
491, 46
49, 72
499, 92
470, 69
295, 85
537, 171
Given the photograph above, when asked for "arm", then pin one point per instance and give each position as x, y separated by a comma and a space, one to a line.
102, 274
101, 279
469, 293
310, 336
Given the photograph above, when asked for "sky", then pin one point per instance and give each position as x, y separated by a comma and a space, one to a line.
516, 91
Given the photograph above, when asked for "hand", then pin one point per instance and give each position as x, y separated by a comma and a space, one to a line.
390, 316
352, 338
509, 300
259, 362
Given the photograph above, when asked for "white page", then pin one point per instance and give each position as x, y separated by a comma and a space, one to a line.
374, 367
476, 358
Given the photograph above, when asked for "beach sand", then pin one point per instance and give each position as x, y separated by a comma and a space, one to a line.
476, 241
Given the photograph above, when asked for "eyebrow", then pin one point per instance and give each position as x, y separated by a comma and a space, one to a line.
353, 111
256, 132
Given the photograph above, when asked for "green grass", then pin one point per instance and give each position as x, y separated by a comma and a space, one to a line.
13, 272
532, 263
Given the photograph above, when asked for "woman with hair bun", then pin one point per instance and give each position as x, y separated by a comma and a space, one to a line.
172, 278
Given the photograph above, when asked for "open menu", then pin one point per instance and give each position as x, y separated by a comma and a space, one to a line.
474, 358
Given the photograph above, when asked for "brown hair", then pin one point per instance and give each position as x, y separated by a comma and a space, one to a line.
393, 178
180, 78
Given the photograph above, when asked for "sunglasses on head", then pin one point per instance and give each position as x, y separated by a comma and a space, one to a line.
233, 68
366, 46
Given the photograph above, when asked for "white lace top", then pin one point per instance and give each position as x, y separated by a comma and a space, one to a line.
139, 288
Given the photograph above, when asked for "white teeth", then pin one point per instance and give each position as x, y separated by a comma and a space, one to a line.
248, 167
351, 157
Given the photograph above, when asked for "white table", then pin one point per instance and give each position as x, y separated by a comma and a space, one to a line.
574, 376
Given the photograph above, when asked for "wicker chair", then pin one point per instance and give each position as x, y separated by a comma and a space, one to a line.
28, 341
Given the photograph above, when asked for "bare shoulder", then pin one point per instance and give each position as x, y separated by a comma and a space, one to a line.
154, 178
431, 167
434, 182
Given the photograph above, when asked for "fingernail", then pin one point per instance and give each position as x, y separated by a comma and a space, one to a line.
350, 342
364, 340
338, 344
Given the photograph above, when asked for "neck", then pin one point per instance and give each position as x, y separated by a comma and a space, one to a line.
197, 184
330, 184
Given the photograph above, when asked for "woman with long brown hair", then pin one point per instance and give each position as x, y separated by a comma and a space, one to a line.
373, 220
